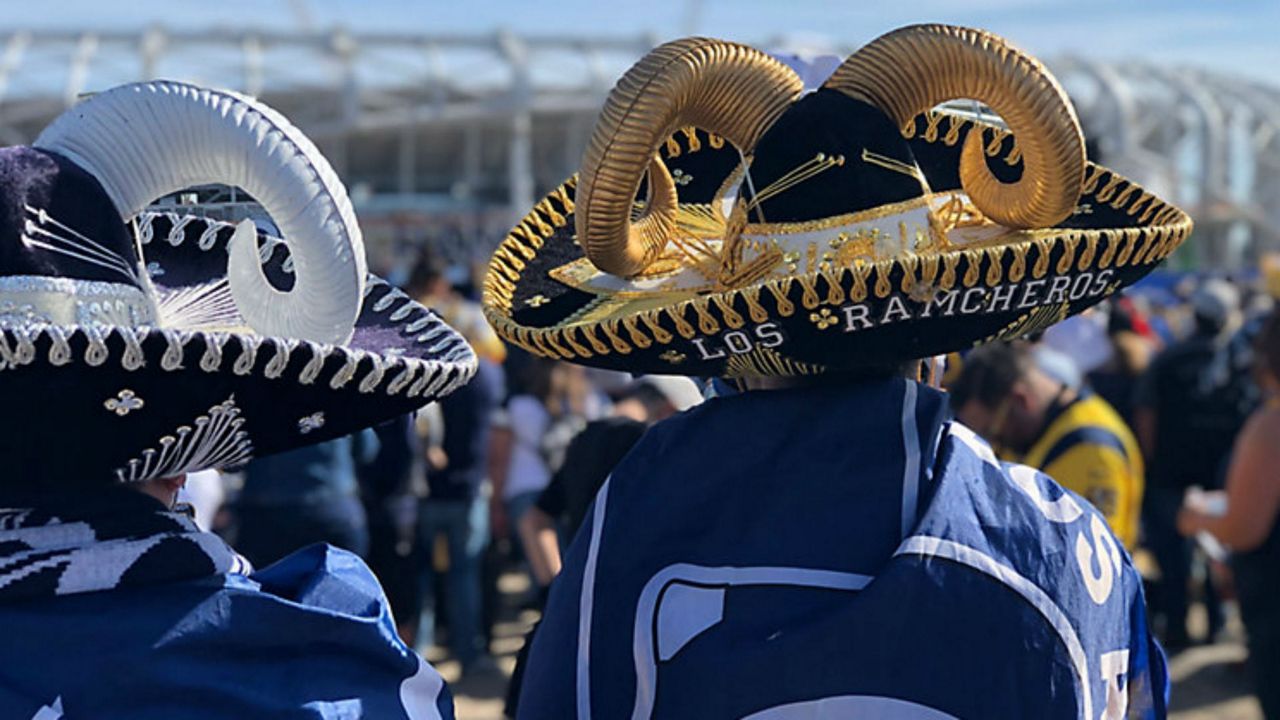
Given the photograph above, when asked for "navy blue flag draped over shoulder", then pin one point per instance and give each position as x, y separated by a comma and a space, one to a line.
309, 637
837, 552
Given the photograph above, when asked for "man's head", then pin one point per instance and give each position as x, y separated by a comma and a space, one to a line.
1215, 306
1003, 395
655, 398
428, 279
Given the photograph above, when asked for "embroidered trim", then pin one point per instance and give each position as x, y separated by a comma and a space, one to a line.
25, 299
213, 440
1168, 227
123, 311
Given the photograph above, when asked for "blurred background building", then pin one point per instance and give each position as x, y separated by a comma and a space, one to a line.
446, 129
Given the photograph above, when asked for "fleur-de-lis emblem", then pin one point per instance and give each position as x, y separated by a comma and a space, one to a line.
125, 402
537, 301
823, 318
314, 421
672, 356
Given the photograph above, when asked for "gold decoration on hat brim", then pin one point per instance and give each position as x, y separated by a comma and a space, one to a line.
641, 323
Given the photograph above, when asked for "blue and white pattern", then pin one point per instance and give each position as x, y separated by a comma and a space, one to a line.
142, 616
795, 554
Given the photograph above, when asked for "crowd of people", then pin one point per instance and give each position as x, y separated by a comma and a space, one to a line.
831, 533
1140, 406
1154, 408
497, 476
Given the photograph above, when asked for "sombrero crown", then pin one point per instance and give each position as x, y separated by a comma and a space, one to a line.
136, 346
724, 222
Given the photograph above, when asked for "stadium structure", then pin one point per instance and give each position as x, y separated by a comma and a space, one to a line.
446, 139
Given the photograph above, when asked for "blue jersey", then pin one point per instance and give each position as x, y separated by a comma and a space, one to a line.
309, 637
839, 552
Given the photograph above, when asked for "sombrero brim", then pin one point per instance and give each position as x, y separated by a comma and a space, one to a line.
842, 315
89, 405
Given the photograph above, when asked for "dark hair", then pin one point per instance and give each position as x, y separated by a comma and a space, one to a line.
989, 373
1267, 347
650, 397
424, 274
537, 378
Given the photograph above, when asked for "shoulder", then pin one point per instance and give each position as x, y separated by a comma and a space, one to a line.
1025, 522
1262, 425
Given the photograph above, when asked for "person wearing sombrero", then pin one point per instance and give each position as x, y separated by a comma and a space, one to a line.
828, 544
136, 347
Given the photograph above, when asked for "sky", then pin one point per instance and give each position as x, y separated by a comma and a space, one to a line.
1232, 36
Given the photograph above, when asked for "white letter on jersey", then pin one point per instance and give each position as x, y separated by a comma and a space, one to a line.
1099, 585
50, 712
1063, 510
1114, 666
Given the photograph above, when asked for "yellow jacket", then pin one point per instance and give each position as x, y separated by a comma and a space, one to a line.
1089, 450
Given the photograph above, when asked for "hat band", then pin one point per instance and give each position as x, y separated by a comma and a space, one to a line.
33, 299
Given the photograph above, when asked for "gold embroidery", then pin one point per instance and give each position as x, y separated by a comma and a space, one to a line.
806, 170
673, 357
823, 318
891, 164
1127, 246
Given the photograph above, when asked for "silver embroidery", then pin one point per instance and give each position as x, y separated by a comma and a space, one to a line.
421, 383
133, 357
347, 371
25, 353
42, 231
312, 422
215, 441
399, 382
371, 380
311, 371
280, 361
208, 237
212, 358
173, 354
97, 352
68, 301
59, 348
125, 402
249, 345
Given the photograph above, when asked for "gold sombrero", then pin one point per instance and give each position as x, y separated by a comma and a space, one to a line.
725, 223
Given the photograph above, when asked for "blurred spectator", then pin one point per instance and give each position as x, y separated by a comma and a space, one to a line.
1185, 424
429, 284
530, 438
589, 459
1072, 435
301, 497
456, 508
1248, 524
387, 491
1131, 352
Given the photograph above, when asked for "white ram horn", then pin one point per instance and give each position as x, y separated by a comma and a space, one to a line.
145, 140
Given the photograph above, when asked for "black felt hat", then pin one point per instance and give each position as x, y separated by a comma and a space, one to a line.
725, 222
135, 346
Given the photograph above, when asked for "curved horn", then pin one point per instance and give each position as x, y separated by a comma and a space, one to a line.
145, 140
721, 87
912, 69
